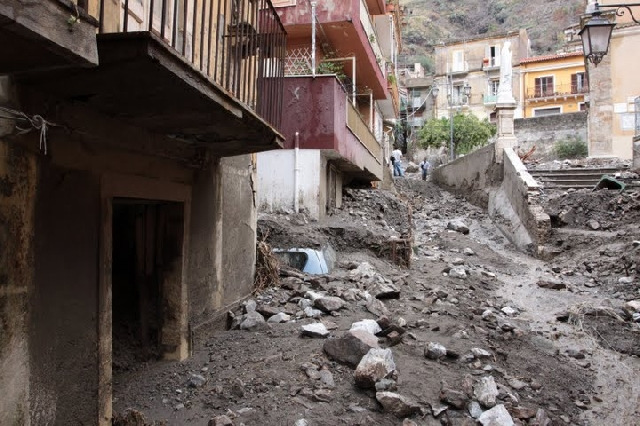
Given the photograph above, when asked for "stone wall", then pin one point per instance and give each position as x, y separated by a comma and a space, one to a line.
544, 132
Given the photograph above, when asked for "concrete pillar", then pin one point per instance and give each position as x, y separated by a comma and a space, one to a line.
506, 134
636, 153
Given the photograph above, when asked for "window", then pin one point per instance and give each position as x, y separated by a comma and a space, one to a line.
457, 97
579, 83
541, 112
458, 61
544, 86
493, 87
494, 56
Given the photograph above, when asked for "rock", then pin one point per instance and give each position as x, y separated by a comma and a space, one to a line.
575, 353
457, 261
523, 413
435, 351
326, 378
253, 321
632, 307
377, 364
397, 404
328, 303
350, 347
486, 391
196, 380
497, 416
541, 418
267, 311
436, 410
635, 317
409, 422
481, 353
386, 385
316, 329
305, 303
249, 306
551, 283
458, 272
301, 422
377, 307
221, 421
625, 280
368, 325
384, 290
179, 406
279, 318
468, 251
237, 388
517, 384
593, 224
509, 311
309, 312
313, 295
454, 398
475, 410
458, 226
364, 270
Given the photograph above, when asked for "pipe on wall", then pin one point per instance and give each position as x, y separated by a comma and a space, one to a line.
296, 174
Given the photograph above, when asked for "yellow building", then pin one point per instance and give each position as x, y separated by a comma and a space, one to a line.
553, 84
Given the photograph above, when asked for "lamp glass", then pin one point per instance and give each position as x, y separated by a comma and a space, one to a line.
434, 91
596, 35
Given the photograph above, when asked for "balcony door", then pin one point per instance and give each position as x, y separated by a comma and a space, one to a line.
544, 86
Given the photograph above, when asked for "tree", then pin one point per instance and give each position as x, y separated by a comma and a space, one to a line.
469, 133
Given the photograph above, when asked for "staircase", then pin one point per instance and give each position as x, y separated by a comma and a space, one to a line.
571, 178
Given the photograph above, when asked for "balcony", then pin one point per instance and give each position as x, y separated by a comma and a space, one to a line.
491, 64
207, 73
346, 30
560, 91
319, 109
39, 35
458, 68
490, 99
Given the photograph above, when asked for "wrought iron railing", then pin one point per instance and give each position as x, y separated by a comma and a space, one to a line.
557, 90
239, 44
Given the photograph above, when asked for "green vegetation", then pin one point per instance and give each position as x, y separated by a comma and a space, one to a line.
572, 147
469, 133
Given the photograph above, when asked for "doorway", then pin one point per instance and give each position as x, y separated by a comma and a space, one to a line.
146, 279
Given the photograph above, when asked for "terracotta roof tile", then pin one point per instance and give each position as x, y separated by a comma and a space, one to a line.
544, 58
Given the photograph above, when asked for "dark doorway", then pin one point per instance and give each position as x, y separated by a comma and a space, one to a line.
146, 280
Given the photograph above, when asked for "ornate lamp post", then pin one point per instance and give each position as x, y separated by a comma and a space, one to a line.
596, 32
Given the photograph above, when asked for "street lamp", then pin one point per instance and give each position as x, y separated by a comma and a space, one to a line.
596, 32
466, 90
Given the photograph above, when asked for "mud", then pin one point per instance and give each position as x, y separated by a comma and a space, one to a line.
567, 352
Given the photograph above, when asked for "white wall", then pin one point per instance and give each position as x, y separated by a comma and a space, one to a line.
275, 188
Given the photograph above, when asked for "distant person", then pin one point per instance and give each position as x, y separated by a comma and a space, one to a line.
396, 155
424, 167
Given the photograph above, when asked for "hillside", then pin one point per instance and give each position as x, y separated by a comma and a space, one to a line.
429, 22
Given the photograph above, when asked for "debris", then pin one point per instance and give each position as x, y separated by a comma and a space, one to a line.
316, 329
328, 303
221, 421
368, 325
454, 398
279, 318
608, 182
486, 391
377, 364
497, 416
435, 351
351, 346
196, 381
253, 321
397, 404
458, 226
458, 272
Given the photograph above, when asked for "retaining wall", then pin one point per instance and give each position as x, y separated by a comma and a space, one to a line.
544, 132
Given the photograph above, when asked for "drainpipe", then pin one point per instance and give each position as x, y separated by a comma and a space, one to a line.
296, 174
313, 38
353, 71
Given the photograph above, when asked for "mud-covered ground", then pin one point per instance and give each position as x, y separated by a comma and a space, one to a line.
558, 343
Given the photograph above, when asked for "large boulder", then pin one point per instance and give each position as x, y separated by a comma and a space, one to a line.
497, 416
486, 391
397, 404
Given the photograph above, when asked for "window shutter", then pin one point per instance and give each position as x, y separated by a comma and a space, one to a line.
574, 83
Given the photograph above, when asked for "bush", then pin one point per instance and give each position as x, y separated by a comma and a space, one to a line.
572, 147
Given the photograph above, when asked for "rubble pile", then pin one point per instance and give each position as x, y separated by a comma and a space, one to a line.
376, 343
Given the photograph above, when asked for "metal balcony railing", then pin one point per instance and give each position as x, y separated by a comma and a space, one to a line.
557, 90
490, 99
365, 19
239, 44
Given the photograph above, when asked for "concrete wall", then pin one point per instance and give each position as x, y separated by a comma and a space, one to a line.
544, 132
276, 178
472, 175
505, 190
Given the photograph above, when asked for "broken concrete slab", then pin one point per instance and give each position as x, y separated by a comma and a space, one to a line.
497, 416
316, 329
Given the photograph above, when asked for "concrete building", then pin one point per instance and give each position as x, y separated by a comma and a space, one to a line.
476, 62
340, 87
127, 208
614, 88
553, 84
